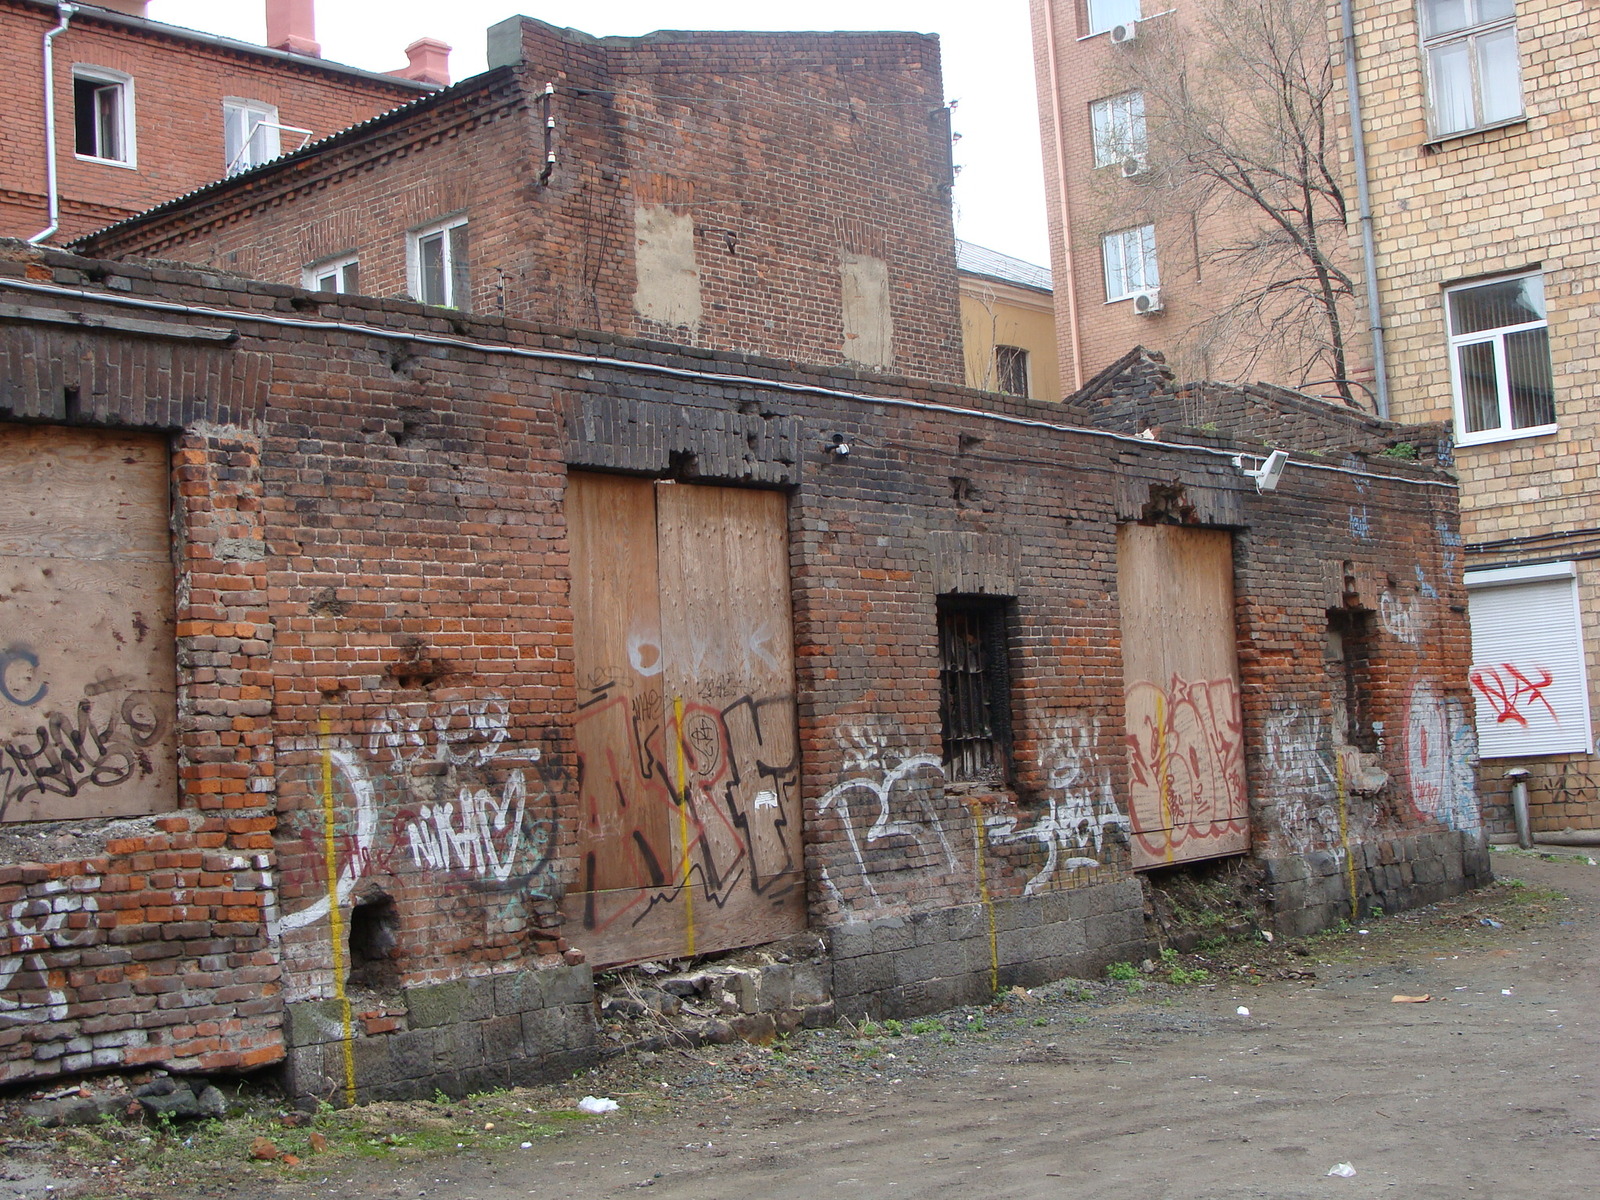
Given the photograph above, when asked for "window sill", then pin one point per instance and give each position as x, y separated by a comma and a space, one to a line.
1442, 141
125, 164
1490, 437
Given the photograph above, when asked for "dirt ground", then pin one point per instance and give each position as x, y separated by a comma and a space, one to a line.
1140, 1088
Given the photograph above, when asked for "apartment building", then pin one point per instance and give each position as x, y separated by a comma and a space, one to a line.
1476, 121
109, 113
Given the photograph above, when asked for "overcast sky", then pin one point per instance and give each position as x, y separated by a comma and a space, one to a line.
988, 68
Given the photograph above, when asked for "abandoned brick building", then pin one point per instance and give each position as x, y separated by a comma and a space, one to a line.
373, 673
143, 111
777, 193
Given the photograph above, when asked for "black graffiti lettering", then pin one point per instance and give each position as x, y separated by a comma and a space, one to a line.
70, 752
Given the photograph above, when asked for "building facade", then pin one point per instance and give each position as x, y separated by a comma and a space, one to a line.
707, 189
1008, 329
1477, 130
423, 665
145, 111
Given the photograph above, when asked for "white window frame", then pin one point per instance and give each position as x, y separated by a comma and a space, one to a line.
1470, 38
1117, 128
414, 241
106, 77
260, 119
1100, 21
1115, 247
1505, 431
312, 275
1493, 684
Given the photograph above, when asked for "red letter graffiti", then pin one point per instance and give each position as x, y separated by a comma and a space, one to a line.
1507, 696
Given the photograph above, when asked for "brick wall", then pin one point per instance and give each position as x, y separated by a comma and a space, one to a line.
179, 83
771, 173
376, 642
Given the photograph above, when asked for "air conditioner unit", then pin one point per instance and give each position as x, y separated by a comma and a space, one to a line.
1147, 303
1134, 165
1124, 33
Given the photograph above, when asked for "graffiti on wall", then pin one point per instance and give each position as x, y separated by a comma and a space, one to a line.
1402, 618
1302, 779
1186, 768
103, 741
35, 925
1440, 752
889, 819
1514, 693
697, 799
442, 786
1082, 812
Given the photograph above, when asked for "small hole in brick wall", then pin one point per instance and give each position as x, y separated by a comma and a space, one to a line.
71, 403
374, 927
304, 304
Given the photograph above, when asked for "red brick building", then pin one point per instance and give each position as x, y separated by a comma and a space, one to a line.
146, 111
422, 656
777, 193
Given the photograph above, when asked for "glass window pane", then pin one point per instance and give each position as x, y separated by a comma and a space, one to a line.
1528, 374
108, 101
1443, 16
1149, 277
430, 263
1499, 75
1101, 122
1103, 14
327, 283
352, 278
1480, 393
1450, 67
1494, 10
1116, 276
233, 127
1136, 137
1497, 305
460, 284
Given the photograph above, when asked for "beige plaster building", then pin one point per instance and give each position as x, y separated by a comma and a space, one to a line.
1478, 119
1008, 327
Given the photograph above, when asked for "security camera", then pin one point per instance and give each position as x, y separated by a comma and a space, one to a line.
1266, 475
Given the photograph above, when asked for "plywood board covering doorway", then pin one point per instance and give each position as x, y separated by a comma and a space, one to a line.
1180, 664
88, 713
689, 823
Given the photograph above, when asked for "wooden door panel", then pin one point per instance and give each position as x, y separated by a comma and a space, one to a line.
1180, 670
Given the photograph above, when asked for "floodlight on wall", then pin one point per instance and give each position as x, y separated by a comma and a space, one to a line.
1268, 473
839, 448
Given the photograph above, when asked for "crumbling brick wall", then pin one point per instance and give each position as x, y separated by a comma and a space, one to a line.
377, 687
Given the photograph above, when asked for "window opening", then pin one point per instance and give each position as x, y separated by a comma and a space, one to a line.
1011, 370
334, 275
250, 134
374, 929
1474, 73
1130, 262
974, 687
101, 117
1500, 359
1106, 14
439, 265
1349, 663
1119, 130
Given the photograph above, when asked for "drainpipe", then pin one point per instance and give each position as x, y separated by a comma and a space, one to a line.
65, 11
1061, 191
1358, 138
1519, 806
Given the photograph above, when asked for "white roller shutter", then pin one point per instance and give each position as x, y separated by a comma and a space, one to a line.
1528, 676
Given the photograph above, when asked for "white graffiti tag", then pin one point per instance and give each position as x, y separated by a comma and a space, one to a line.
901, 779
1083, 808
488, 839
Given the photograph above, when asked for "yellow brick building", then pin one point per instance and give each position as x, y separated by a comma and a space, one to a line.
1480, 121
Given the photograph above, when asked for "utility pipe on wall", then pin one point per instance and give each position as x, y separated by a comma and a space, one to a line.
1358, 139
65, 12
1519, 806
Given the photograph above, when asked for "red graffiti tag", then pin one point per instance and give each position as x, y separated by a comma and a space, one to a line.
1508, 694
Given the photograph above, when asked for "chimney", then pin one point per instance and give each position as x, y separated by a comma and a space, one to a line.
134, 8
429, 62
292, 26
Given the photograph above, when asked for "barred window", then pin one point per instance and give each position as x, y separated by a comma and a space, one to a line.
1011, 370
974, 687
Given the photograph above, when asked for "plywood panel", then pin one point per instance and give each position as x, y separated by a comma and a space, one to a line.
87, 687
1180, 671
730, 694
686, 731
626, 802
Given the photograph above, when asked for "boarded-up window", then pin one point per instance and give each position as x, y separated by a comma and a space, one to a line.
1180, 669
1527, 661
689, 824
974, 687
86, 637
